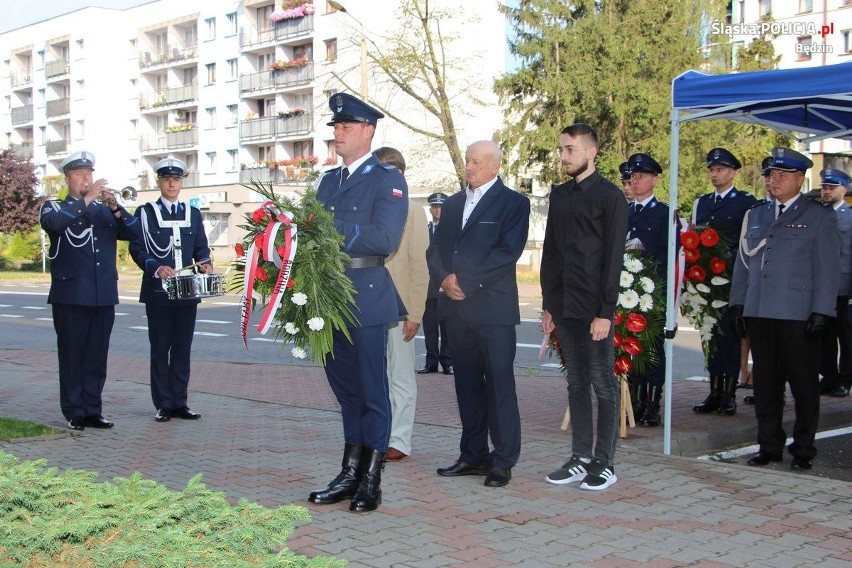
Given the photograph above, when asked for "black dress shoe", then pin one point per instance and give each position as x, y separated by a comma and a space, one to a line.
800, 463
163, 415
461, 468
97, 421
748, 399
839, 392
761, 459
77, 423
448, 370
498, 477
428, 369
185, 413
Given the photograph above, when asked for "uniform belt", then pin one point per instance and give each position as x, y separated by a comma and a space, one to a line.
366, 261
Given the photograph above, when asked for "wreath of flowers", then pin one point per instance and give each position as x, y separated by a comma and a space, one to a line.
314, 296
640, 316
707, 280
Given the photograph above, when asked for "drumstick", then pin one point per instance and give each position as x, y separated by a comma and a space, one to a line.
193, 265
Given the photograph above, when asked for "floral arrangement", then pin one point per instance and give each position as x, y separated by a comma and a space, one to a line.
299, 161
295, 111
330, 161
291, 10
707, 280
181, 127
640, 315
292, 64
291, 253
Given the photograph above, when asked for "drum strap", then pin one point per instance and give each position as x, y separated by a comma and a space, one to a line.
175, 226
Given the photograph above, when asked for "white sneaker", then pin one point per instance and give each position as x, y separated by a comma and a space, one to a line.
599, 477
572, 470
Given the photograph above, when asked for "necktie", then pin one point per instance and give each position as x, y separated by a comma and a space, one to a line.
780, 209
639, 207
344, 174
174, 209
718, 198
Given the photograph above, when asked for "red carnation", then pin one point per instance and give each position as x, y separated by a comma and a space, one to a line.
696, 273
632, 345
290, 284
258, 215
623, 365
616, 340
618, 318
636, 323
238, 248
281, 250
689, 239
691, 255
709, 237
258, 240
717, 265
261, 274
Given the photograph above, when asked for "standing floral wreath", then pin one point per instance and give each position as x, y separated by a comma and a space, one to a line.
707, 280
292, 255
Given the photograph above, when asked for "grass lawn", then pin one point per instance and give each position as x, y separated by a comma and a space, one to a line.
11, 428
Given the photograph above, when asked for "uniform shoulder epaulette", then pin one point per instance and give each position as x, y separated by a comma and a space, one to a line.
388, 167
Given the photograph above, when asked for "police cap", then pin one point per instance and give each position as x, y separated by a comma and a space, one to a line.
833, 176
78, 160
644, 163
170, 167
624, 170
788, 160
722, 157
764, 165
437, 198
347, 108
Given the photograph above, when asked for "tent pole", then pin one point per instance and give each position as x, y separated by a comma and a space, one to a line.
671, 314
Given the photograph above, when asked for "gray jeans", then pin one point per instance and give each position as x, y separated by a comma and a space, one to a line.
590, 366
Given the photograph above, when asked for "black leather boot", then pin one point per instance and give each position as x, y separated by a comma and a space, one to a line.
712, 402
638, 396
651, 417
345, 484
369, 495
728, 407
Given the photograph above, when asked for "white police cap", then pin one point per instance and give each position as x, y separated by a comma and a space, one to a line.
170, 167
78, 160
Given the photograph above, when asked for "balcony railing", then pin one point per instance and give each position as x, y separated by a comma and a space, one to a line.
282, 78
57, 68
182, 139
22, 115
57, 147
170, 54
273, 128
263, 174
252, 37
23, 151
168, 97
21, 78
156, 143
294, 27
59, 107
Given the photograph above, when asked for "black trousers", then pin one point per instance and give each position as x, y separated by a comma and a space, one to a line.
781, 351
727, 344
435, 332
170, 332
836, 372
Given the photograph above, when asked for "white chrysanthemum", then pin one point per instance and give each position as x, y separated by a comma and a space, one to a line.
710, 320
299, 298
316, 324
291, 328
299, 353
633, 264
628, 299
690, 287
647, 284
718, 281
718, 303
703, 288
646, 302
626, 279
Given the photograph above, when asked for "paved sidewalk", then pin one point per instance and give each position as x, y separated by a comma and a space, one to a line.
272, 433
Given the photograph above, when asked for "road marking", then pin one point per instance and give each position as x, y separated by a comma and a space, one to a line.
739, 452
11, 316
213, 321
129, 298
139, 327
44, 319
122, 314
264, 339
551, 365
5, 305
16, 292
208, 334
33, 307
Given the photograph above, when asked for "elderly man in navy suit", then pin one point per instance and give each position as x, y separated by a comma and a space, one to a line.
784, 292
723, 210
836, 380
476, 248
369, 200
648, 224
83, 230
174, 237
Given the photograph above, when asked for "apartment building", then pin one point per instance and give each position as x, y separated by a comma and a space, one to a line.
238, 90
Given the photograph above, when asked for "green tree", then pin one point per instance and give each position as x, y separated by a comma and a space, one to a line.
17, 193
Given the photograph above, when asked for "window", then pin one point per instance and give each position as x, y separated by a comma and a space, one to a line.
232, 113
232, 23
738, 12
306, 51
133, 50
190, 76
764, 7
331, 50
211, 117
265, 153
211, 73
232, 69
265, 24
190, 37
806, 6
331, 152
232, 160
803, 48
211, 162
210, 23
847, 40
303, 148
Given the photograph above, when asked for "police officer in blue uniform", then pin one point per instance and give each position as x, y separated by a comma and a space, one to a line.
435, 330
83, 229
624, 173
173, 237
369, 200
784, 290
837, 376
648, 230
723, 210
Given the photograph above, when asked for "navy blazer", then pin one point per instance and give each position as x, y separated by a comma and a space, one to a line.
370, 209
651, 226
844, 224
194, 248
726, 216
483, 255
432, 290
83, 249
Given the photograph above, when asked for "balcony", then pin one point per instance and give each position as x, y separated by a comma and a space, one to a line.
256, 38
57, 68
273, 79
56, 148
21, 78
182, 139
258, 129
295, 125
191, 180
168, 97
22, 115
155, 143
294, 27
59, 107
23, 151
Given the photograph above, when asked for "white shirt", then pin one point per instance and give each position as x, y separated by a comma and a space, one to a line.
472, 197
787, 205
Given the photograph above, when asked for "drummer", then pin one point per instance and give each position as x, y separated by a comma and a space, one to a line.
172, 237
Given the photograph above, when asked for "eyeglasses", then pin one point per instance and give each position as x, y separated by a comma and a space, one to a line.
570, 150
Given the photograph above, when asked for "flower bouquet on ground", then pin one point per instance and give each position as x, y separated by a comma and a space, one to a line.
290, 263
707, 280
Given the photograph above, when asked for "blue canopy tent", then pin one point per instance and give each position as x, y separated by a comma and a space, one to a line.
807, 104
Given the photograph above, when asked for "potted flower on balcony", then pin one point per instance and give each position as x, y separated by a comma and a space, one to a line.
282, 65
308, 161
180, 127
290, 113
291, 10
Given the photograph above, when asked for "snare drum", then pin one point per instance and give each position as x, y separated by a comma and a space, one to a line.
194, 286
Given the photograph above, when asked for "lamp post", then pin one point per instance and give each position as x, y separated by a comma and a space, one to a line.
341, 8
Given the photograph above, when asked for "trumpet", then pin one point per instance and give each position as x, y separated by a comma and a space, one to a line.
109, 195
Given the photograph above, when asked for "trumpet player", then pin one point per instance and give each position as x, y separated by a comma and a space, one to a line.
172, 237
83, 229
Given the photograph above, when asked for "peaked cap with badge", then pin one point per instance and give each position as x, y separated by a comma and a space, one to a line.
78, 160
722, 157
348, 108
644, 163
170, 167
